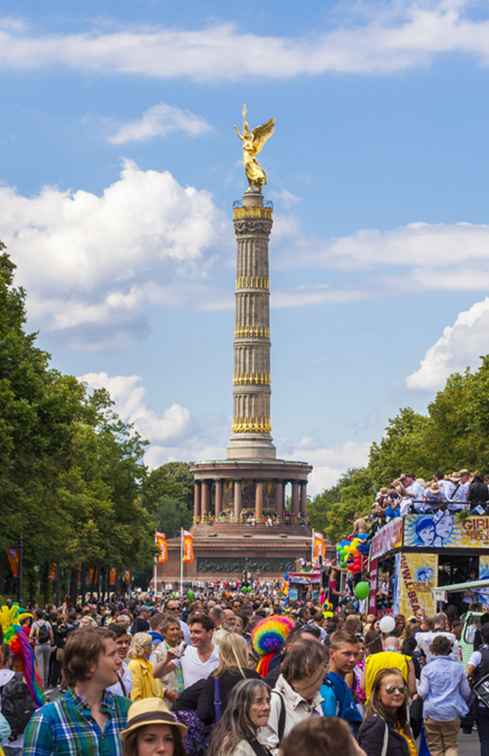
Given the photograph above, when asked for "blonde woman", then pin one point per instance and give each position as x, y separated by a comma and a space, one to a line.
235, 665
144, 682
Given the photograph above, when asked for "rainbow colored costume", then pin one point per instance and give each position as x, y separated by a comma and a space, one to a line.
17, 639
268, 638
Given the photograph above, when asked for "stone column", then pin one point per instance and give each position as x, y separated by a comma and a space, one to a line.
296, 501
279, 500
259, 502
237, 500
204, 500
218, 499
196, 502
304, 500
251, 427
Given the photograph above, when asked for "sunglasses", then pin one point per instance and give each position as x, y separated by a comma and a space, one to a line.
395, 689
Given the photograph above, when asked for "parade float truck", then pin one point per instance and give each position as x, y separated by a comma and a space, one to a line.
304, 585
415, 554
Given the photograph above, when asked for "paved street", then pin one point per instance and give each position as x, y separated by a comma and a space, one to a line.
469, 745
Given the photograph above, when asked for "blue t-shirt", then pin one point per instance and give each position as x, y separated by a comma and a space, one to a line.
345, 704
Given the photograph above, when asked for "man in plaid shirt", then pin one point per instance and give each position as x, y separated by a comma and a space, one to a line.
87, 719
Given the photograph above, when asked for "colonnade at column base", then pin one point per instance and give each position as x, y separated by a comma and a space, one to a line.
243, 493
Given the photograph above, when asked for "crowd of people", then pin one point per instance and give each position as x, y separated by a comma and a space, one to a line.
460, 491
173, 676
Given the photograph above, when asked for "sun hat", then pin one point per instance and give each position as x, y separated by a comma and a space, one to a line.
149, 711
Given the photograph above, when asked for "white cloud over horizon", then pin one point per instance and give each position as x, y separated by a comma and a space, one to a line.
175, 436
128, 394
88, 259
386, 39
159, 121
329, 462
459, 347
413, 245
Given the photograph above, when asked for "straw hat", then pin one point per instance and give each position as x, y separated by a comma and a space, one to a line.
149, 711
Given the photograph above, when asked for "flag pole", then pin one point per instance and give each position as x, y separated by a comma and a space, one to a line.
181, 562
312, 548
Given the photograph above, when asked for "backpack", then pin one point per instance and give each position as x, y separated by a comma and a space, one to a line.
196, 739
17, 704
43, 633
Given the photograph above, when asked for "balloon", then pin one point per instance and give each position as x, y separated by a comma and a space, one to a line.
362, 590
190, 595
387, 624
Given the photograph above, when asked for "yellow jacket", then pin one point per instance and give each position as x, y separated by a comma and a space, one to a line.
144, 685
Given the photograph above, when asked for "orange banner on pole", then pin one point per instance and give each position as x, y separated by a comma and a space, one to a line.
188, 547
318, 547
13, 556
53, 571
112, 576
162, 545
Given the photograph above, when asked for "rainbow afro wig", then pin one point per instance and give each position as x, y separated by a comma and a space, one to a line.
268, 638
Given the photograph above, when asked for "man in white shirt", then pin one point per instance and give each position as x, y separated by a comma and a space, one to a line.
460, 493
446, 486
201, 658
415, 489
438, 626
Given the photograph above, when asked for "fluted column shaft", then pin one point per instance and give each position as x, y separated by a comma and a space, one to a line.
196, 502
237, 500
252, 369
259, 501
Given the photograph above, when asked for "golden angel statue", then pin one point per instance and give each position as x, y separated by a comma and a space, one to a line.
253, 143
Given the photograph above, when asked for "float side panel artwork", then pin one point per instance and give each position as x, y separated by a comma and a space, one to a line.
418, 576
444, 530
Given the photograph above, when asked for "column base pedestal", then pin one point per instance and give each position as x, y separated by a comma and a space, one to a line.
251, 446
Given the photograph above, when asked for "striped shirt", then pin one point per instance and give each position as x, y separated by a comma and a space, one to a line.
67, 727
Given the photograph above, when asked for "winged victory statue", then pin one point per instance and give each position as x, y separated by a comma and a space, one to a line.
254, 141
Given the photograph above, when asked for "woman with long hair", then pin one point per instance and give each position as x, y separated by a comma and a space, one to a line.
247, 712
235, 664
144, 683
152, 730
385, 730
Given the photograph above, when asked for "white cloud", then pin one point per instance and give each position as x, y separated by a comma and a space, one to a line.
130, 402
312, 295
416, 244
329, 463
285, 198
395, 37
159, 121
459, 347
175, 436
90, 259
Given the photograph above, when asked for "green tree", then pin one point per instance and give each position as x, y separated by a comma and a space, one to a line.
71, 472
334, 510
168, 494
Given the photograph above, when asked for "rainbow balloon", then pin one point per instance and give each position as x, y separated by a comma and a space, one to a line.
268, 639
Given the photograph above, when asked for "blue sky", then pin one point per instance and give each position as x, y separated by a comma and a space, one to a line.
119, 166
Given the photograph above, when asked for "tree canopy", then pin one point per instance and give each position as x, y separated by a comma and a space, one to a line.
73, 486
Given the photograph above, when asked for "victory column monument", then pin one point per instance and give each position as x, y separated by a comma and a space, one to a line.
249, 509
